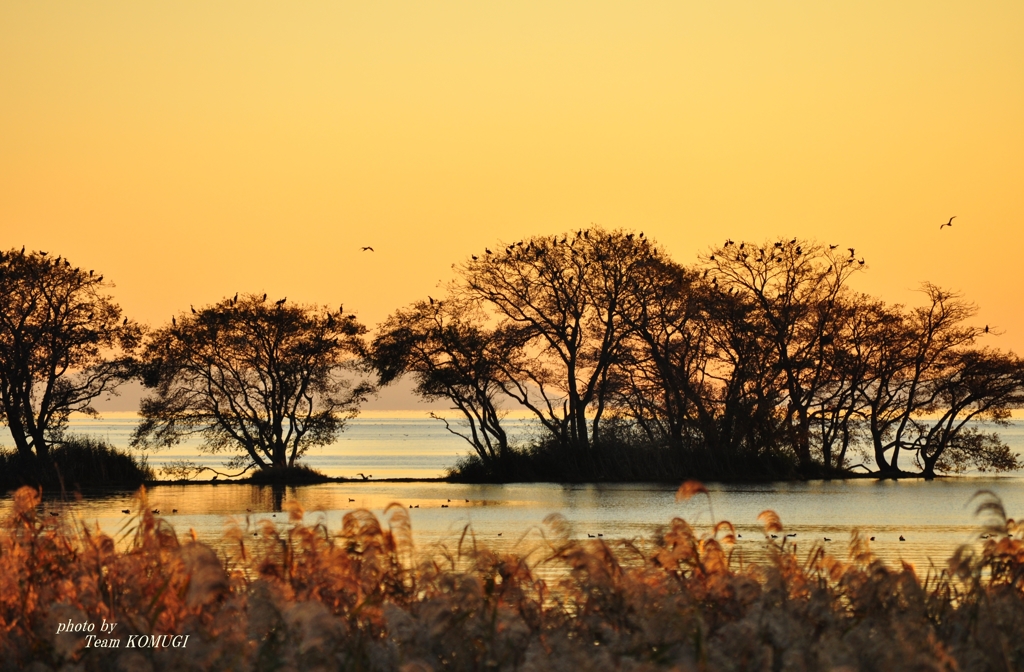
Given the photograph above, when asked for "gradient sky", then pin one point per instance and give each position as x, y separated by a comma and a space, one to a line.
188, 150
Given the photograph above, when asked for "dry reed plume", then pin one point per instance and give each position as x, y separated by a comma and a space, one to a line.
303, 597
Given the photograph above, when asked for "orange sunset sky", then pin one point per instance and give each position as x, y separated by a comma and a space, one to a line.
188, 150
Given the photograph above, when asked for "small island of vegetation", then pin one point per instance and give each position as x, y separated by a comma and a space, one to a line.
758, 362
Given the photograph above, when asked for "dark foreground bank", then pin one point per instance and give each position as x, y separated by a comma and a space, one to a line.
309, 597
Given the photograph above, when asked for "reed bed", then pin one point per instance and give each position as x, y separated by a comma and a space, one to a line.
303, 597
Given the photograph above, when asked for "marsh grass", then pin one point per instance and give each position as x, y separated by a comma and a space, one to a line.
297, 474
76, 463
625, 461
297, 596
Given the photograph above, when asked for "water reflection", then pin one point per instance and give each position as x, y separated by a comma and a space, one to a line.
933, 517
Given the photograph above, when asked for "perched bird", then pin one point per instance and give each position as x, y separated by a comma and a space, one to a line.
851, 252
832, 247
264, 297
280, 302
125, 323
192, 308
986, 328
235, 300
174, 322
367, 248
872, 538
827, 539
949, 223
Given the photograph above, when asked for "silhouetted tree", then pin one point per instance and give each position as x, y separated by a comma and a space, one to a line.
271, 380
837, 406
974, 385
451, 355
557, 303
904, 352
63, 343
793, 290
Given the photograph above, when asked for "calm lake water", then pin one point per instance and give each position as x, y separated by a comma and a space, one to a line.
934, 517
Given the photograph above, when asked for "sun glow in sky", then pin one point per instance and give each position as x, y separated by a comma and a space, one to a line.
190, 150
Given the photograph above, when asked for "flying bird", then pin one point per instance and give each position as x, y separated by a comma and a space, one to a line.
949, 223
367, 248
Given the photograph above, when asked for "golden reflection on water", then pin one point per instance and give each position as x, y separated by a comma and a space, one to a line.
934, 518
